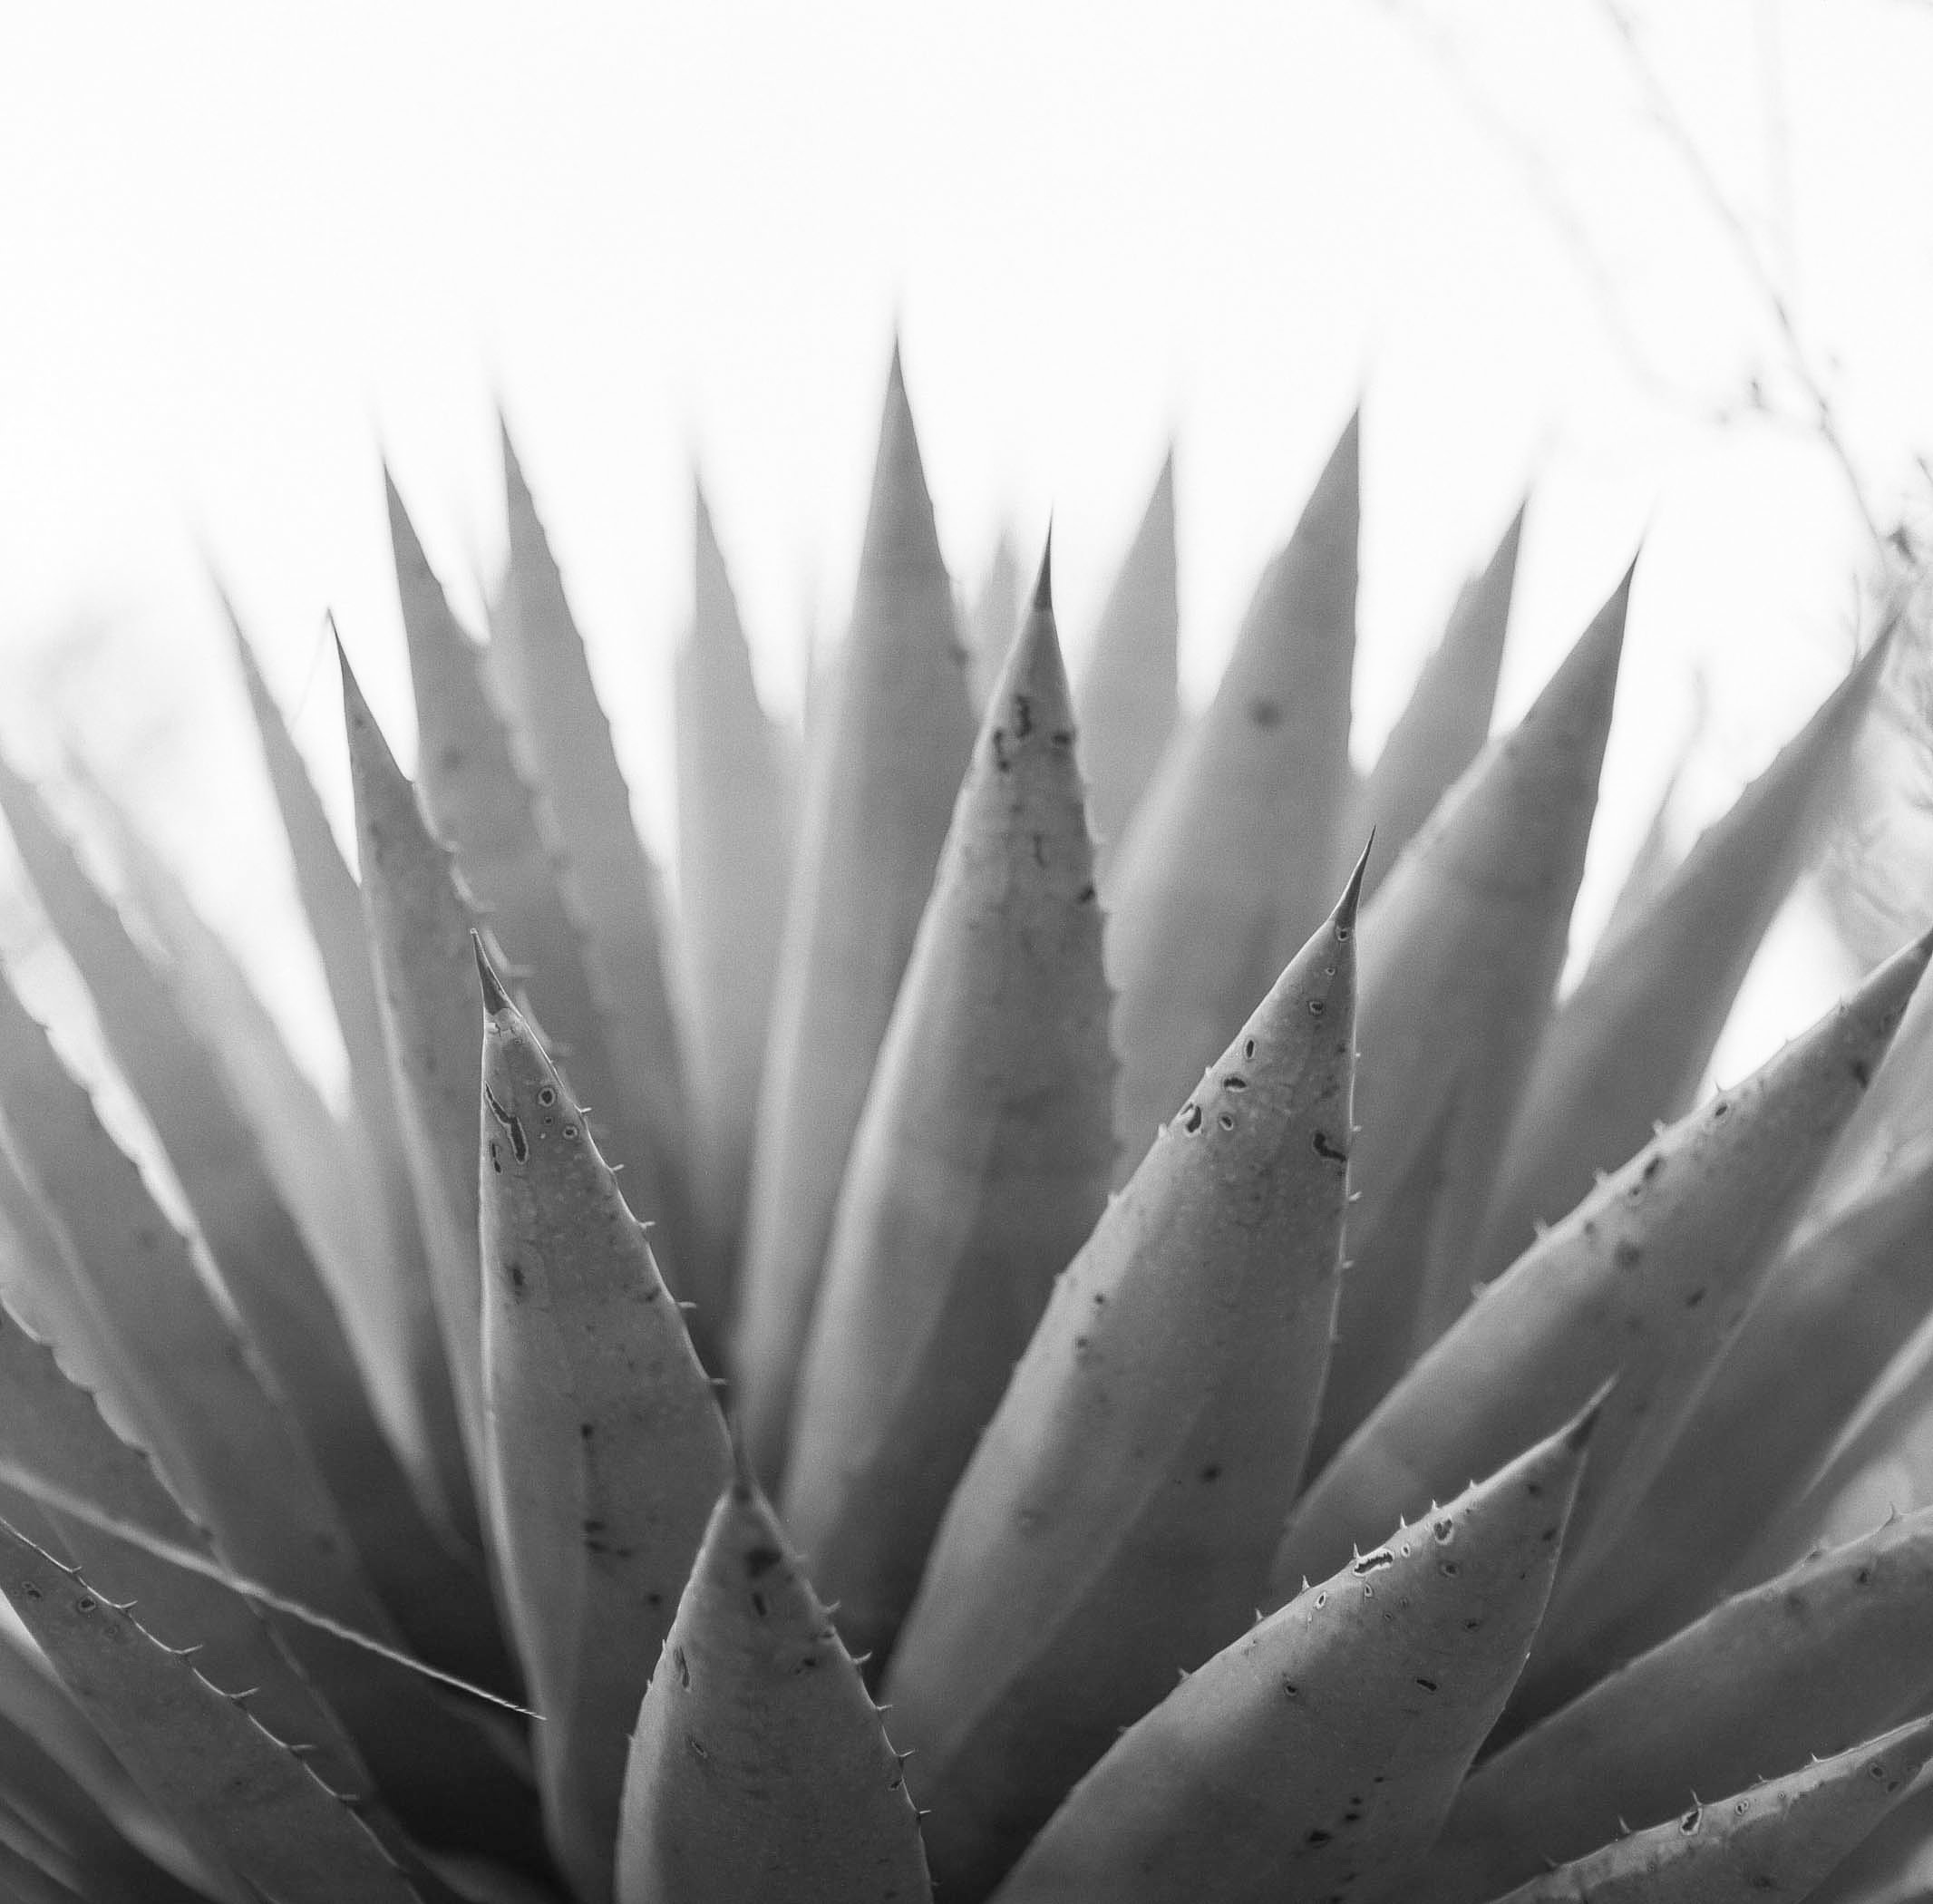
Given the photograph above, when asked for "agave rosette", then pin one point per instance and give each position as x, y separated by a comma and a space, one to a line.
1140, 1352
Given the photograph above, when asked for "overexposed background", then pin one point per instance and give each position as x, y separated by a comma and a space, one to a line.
249, 247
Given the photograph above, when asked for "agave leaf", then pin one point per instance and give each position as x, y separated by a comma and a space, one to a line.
264, 1263
1892, 1863
1317, 1756
1105, 1533
1225, 872
608, 872
758, 1768
1127, 701
990, 621
237, 1792
1776, 1840
476, 798
53, 1429
57, 1772
320, 1168
24, 1881
1812, 1662
1645, 1280
396, 1287
57, 1822
234, 1458
885, 772
419, 922
1820, 1333
606, 1445
1444, 727
981, 1163
1888, 1433
735, 823
1630, 1045
40, 1287
1462, 951
1657, 861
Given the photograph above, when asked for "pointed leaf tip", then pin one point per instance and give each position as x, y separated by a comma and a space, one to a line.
496, 1000
1044, 584
1346, 906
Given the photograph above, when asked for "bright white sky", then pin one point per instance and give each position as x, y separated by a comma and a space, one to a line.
246, 244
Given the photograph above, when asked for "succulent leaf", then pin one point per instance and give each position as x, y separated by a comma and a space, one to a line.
1776, 1840
317, 1165
1461, 953
1645, 1280
990, 620
395, 1285
609, 875
265, 1264
1446, 720
1630, 1044
1827, 1654
759, 1768
54, 1430
232, 1787
736, 775
232, 1454
879, 795
606, 1445
981, 1163
1820, 1333
1127, 698
1226, 867
1106, 1532
1317, 1756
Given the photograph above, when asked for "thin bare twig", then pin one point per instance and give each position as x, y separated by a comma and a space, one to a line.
1670, 125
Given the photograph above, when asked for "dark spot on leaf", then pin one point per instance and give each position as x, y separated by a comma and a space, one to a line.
1318, 1007
1628, 1255
1654, 1167
999, 744
1265, 713
571, 1131
515, 1272
1720, 1109
1863, 1577
1248, 1047
1692, 1820
1290, 1689
1695, 1298
1235, 1081
1370, 1563
1212, 1472
1191, 1119
1444, 1529
1022, 717
1085, 895
546, 1095
1447, 1568
1063, 736
85, 1604
1429, 1685
1319, 1836
1226, 1119
697, 1751
1861, 1072
683, 1666
496, 1162
1327, 1149
760, 1560
758, 1605
520, 1144
586, 1429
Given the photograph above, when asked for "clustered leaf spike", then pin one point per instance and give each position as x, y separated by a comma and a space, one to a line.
365, 1483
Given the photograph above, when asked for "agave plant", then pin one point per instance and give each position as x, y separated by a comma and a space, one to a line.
1119, 1286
